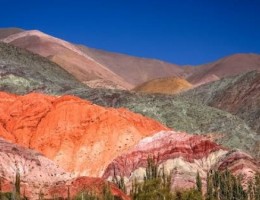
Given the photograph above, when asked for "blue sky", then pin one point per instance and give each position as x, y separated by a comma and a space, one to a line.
178, 31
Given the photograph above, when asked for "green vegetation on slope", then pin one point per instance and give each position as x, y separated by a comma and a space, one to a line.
228, 129
22, 72
238, 95
220, 185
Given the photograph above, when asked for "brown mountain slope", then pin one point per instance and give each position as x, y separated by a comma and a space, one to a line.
96, 68
5, 32
230, 65
67, 55
133, 69
170, 85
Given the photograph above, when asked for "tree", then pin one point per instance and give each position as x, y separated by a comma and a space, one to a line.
209, 193
257, 186
154, 186
198, 183
224, 186
119, 181
1, 196
17, 186
68, 193
107, 195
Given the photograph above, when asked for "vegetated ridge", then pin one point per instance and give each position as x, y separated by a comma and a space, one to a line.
238, 95
22, 71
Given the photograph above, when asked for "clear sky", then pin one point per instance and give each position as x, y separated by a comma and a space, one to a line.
178, 31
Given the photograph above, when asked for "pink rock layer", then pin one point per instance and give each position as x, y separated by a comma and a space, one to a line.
182, 155
36, 171
39, 175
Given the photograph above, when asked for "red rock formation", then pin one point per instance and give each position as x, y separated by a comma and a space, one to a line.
239, 163
182, 154
79, 136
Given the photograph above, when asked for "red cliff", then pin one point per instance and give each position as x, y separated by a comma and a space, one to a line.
79, 136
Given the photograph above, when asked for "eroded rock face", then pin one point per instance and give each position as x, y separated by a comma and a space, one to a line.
181, 154
239, 163
79, 136
40, 175
36, 171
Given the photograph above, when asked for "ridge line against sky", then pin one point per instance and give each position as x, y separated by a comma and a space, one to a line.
181, 32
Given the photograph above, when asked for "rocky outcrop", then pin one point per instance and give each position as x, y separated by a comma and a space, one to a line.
239, 163
36, 171
79, 136
182, 155
169, 85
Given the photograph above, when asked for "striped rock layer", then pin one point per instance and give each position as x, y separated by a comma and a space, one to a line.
181, 155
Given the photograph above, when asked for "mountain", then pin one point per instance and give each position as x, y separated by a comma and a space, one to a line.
169, 85
93, 67
238, 95
22, 72
134, 70
79, 136
228, 66
102, 69
64, 54
181, 115
40, 75
183, 155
